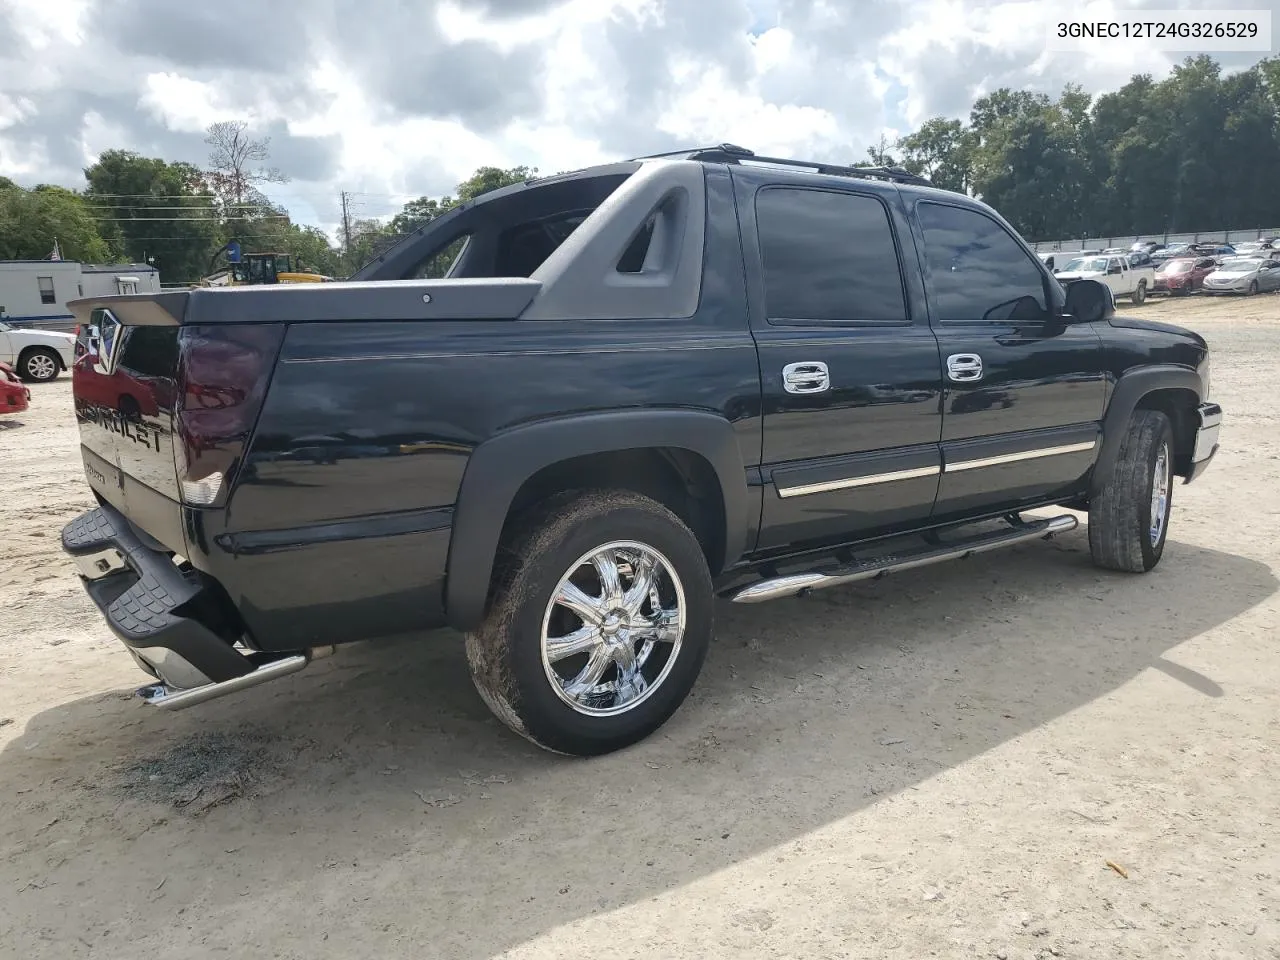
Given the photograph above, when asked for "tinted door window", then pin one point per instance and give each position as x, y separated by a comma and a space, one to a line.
828, 257
977, 270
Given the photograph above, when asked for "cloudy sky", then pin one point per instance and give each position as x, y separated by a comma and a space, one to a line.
393, 99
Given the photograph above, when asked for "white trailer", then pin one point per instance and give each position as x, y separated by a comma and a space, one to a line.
34, 293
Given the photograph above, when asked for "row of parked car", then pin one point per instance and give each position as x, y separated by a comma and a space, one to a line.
1176, 269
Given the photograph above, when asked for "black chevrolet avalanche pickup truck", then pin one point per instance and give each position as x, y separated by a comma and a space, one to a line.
566, 416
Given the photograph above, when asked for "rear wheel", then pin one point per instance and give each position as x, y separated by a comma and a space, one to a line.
39, 365
1140, 295
599, 622
1129, 519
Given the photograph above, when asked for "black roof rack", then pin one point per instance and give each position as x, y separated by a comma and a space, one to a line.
691, 153
731, 153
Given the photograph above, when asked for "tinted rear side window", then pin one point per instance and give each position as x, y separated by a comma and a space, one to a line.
977, 270
828, 257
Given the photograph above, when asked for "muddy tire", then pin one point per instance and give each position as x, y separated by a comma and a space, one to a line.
1129, 519
39, 365
599, 621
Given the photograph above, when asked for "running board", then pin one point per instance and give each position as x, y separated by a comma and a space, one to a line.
169, 698
802, 583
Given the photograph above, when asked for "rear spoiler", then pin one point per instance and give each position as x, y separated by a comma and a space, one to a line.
478, 298
134, 309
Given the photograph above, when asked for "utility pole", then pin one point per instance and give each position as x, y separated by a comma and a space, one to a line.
346, 224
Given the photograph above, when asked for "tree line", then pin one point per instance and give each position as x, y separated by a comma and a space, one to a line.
178, 216
1199, 150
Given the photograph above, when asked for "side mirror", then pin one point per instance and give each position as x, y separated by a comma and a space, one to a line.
1089, 301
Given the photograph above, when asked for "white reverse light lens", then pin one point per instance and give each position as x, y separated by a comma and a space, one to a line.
201, 493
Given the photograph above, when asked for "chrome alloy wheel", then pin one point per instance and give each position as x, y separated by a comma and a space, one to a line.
613, 628
41, 366
1160, 480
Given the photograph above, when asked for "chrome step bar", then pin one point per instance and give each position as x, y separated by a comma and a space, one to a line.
170, 698
792, 584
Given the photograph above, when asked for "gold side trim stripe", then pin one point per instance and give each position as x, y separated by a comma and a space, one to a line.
1024, 455
858, 481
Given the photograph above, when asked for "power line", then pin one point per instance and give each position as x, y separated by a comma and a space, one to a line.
139, 206
218, 220
275, 237
202, 196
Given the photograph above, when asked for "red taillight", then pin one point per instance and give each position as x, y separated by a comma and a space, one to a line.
223, 372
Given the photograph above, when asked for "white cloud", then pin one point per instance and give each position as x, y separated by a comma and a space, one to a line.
395, 100
712, 110
44, 23
182, 103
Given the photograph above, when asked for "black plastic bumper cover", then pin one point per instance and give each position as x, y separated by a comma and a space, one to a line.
139, 597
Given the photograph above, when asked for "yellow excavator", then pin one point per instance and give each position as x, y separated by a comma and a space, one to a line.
244, 269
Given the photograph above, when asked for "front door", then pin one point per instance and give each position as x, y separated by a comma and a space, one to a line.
1023, 391
848, 364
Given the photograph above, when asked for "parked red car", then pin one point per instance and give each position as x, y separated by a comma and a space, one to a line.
14, 396
1183, 275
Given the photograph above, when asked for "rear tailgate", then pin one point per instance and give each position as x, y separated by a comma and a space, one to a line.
165, 407
124, 380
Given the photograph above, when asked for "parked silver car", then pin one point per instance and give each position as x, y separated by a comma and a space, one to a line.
1244, 275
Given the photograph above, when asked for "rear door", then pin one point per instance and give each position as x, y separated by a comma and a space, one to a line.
1023, 392
849, 367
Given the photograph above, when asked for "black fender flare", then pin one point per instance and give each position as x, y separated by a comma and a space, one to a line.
499, 466
1130, 388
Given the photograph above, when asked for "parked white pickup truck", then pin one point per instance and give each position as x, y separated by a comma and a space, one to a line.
1115, 271
36, 355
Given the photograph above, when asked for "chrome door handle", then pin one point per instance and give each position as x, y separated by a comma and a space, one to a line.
964, 367
810, 376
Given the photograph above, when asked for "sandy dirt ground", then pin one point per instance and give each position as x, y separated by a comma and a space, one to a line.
938, 765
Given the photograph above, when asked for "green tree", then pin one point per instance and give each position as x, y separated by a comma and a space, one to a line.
311, 250
493, 178
417, 213
31, 220
164, 211
1194, 151
878, 155
370, 237
941, 150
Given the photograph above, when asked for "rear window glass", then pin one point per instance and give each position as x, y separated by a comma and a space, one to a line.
438, 265
522, 249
